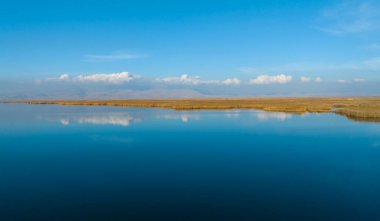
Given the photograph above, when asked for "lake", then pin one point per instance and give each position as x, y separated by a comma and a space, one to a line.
110, 163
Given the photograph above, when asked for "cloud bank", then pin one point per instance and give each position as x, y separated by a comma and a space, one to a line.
125, 77
112, 78
305, 79
183, 79
266, 79
196, 80
231, 81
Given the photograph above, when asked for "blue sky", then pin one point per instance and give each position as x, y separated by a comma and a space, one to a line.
240, 43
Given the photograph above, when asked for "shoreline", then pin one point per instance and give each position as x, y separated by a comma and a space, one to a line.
354, 108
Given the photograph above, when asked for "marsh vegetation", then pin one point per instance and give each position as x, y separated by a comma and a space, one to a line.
361, 109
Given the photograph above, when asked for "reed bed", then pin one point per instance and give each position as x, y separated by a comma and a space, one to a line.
362, 109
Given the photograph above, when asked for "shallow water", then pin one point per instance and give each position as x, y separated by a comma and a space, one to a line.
109, 163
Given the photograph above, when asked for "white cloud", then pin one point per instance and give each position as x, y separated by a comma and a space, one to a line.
186, 79
64, 77
113, 78
305, 79
308, 79
183, 79
196, 80
343, 81
359, 80
266, 79
355, 80
124, 77
231, 81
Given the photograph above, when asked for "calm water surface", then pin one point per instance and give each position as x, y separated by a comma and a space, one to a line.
108, 163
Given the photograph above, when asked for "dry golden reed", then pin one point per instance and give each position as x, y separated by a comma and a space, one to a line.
356, 108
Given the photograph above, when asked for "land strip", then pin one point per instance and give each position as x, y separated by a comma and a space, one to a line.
355, 108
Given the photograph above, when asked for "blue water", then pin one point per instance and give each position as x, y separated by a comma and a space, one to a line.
109, 163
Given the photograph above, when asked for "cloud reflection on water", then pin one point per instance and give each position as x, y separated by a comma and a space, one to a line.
184, 117
125, 119
107, 119
117, 119
265, 116
232, 114
65, 121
